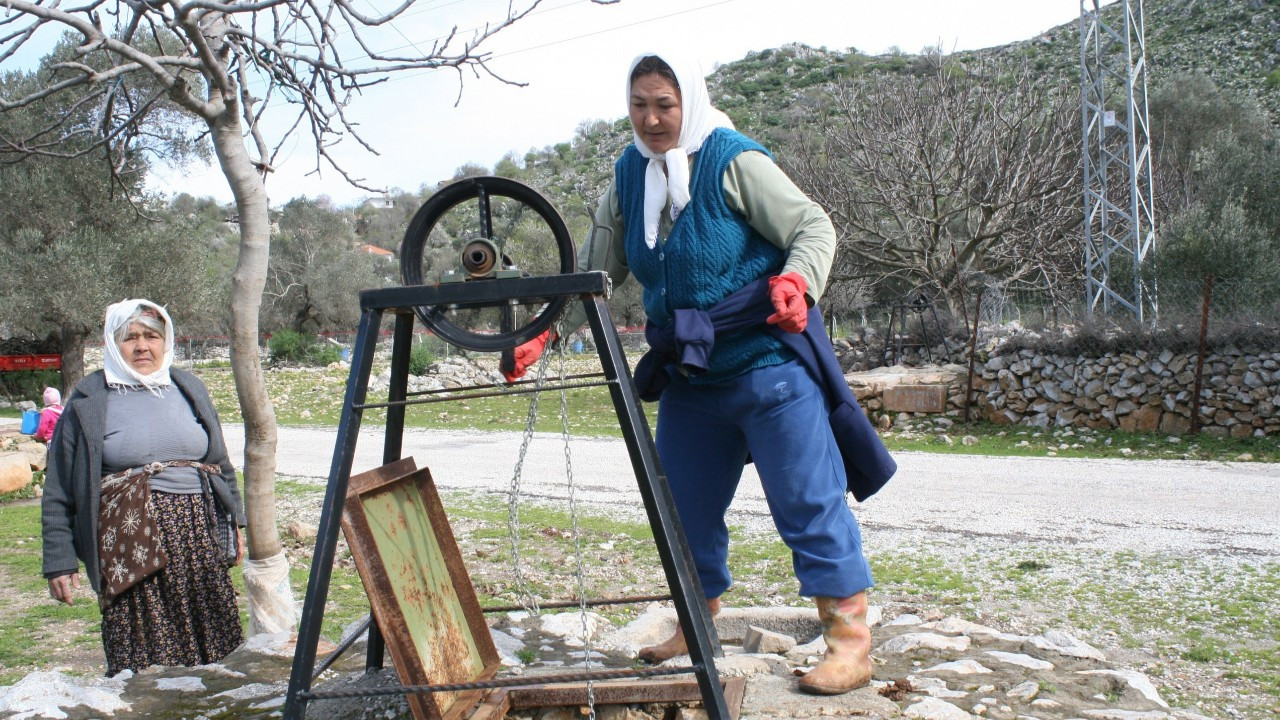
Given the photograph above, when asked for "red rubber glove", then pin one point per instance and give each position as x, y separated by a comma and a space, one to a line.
786, 292
526, 355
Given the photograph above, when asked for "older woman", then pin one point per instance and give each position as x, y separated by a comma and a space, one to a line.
732, 257
139, 488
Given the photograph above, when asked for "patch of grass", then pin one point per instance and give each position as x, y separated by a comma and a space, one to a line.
27, 634
20, 545
28, 640
922, 577
1021, 441
1204, 652
619, 557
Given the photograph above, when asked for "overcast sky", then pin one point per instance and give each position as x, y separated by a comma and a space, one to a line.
573, 55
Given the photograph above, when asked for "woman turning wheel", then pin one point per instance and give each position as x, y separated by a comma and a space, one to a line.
732, 257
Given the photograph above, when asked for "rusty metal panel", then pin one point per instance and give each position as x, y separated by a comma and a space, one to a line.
419, 589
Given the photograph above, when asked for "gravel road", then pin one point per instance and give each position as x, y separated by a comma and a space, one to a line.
1178, 507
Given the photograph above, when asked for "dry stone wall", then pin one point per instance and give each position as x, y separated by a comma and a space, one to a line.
1137, 391
1151, 391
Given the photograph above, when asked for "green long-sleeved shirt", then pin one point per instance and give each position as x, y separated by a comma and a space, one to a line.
754, 187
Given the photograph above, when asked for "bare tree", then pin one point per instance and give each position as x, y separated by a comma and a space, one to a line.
931, 177
202, 57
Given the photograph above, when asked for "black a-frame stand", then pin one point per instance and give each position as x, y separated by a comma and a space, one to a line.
592, 289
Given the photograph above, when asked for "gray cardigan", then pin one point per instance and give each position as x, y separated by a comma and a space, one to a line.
73, 478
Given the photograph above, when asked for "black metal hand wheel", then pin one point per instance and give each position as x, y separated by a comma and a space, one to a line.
484, 229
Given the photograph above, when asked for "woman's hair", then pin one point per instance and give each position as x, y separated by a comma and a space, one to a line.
651, 64
147, 316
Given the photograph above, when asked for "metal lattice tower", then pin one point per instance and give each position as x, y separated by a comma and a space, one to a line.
1119, 227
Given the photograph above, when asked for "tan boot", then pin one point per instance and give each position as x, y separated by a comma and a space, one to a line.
674, 645
847, 662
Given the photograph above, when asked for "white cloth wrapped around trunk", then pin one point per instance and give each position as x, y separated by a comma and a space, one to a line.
271, 605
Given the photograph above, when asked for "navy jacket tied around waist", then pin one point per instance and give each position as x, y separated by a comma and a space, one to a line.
687, 343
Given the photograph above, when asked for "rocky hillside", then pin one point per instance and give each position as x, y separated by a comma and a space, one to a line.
1235, 42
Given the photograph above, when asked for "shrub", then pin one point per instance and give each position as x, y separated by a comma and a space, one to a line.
288, 346
323, 354
294, 347
420, 358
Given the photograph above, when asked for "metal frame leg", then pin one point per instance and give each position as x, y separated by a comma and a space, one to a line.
331, 515
392, 447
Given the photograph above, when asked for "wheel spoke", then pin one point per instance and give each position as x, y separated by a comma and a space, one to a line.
486, 215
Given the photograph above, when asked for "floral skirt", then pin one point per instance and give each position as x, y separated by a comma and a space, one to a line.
184, 615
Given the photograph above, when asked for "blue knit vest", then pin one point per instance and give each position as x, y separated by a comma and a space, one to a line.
711, 252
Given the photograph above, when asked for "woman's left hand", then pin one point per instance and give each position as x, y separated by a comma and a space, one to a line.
786, 292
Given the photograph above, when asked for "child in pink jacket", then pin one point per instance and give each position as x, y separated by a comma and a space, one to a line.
49, 416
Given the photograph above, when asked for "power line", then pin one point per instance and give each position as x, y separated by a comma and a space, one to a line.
619, 27
562, 41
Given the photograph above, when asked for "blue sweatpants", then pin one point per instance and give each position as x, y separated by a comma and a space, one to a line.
779, 415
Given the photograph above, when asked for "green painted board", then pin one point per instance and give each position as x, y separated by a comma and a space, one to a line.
418, 586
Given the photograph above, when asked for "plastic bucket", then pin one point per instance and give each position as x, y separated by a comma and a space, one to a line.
30, 421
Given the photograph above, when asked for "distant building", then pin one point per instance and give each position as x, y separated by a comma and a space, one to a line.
377, 251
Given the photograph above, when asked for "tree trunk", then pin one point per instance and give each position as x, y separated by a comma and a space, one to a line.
247, 284
72, 357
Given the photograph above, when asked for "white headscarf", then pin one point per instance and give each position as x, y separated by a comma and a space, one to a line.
698, 118
119, 372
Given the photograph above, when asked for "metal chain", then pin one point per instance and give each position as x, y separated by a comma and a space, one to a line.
527, 599
588, 647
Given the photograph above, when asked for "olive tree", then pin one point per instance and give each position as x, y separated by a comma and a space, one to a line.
1217, 166
69, 246
317, 267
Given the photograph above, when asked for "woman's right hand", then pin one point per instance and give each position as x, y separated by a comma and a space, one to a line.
526, 355
60, 587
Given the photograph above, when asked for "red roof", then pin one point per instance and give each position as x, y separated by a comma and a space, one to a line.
375, 250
